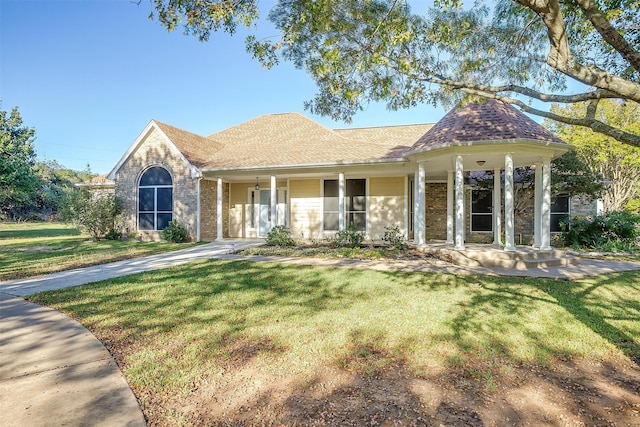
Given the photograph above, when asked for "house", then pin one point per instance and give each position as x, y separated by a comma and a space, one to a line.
285, 169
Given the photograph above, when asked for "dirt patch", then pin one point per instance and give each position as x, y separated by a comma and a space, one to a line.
567, 393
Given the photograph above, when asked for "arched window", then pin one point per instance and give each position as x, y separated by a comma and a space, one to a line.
155, 199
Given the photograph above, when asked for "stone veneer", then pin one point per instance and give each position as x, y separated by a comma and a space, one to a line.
154, 151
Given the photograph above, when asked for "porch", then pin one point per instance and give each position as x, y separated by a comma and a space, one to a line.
491, 255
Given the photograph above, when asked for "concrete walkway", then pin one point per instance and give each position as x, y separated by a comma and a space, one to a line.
54, 372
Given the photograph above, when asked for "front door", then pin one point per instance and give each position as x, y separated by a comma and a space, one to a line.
265, 212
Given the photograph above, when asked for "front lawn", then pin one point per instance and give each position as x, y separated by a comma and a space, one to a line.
32, 249
244, 343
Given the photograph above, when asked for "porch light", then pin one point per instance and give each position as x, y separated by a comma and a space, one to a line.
480, 162
257, 185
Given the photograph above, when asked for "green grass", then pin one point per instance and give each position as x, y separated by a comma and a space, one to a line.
32, 249
182, 326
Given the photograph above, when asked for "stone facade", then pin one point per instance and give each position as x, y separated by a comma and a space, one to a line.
154, 151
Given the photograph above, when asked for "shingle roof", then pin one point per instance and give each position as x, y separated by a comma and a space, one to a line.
401, 135
489, 121
293, 139
197, 149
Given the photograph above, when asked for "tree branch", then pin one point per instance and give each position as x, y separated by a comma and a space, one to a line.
561, 59
608, 33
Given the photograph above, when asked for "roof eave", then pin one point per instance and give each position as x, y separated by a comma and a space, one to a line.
558, 146
306, 165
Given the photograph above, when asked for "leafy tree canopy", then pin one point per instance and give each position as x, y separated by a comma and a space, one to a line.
18, 179
617, 163
518, 51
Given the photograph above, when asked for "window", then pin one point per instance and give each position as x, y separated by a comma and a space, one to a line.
355, 204
155, 199
481, 210
331, 211
559, 210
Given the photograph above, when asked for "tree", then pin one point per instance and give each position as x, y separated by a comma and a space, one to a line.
518, 51
18, 179
617, 163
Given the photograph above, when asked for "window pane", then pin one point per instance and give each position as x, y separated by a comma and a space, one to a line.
145, 221
358, 203
163, 221
481, 201
146, 199
156, 176
356, 187
331, 221
358, 219
556, 219
331, 188
165, 199
560, 204
481, 222
331, 204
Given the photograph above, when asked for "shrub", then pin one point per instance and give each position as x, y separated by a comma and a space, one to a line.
350, 237
280, 235
174, 232
95, 214
113, 235
393, 236
610, 231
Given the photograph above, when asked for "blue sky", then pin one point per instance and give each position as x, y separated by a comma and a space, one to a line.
90, 74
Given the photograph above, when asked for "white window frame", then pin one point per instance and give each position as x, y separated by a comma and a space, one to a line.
472, 213
567, 213
155, 200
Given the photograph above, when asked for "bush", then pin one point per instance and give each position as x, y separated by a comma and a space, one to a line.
95, 214
174, 232
350, 237
113, 235
393, 236
280, 235
610, 232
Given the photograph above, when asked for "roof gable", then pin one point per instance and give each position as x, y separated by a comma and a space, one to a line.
488, 121
178, 140
195, 148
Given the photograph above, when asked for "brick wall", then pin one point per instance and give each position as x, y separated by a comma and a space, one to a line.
154, 151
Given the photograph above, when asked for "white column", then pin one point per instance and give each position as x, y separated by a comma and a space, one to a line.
198, 207
415, 207
341, 196
509, 226
274, 202
421, 182
497, 208
537, 206
406, 207
545, 223
459, 194
450, 207
219, 210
